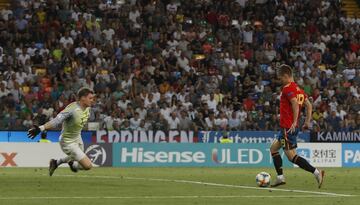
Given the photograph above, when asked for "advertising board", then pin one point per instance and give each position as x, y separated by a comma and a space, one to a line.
321, 154
351, 155
189, 155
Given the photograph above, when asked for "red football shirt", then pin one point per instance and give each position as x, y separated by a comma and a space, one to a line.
288, 92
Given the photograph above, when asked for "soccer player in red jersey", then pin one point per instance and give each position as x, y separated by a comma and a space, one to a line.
292, 99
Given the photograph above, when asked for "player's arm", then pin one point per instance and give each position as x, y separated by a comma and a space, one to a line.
308, 107
59, 119
295, 110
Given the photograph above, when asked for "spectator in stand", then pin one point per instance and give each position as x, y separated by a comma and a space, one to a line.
173, 121
210, 59
333, 121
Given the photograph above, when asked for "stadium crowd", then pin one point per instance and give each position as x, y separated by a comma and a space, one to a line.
171, 64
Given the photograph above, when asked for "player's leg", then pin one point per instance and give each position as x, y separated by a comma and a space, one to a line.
54, 164
277, 160
290, 151
63, 160
305, 165
82, 162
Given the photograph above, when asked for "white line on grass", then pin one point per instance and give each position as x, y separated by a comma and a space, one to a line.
209, 184
157, 197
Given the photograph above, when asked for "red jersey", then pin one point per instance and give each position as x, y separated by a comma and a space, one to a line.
288, 92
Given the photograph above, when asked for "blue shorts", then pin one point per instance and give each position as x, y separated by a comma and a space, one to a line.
288, 140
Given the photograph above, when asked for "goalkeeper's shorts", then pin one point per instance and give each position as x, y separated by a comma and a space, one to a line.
74, 150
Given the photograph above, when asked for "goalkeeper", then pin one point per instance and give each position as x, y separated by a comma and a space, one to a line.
73, 118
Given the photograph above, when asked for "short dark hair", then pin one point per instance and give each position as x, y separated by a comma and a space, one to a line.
84, 92
285, 69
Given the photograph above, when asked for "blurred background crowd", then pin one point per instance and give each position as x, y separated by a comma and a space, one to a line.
171, 64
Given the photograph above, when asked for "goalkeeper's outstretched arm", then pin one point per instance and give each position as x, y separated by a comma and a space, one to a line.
59, 119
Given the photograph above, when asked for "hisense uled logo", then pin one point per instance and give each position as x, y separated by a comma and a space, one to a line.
242, 156
139, 155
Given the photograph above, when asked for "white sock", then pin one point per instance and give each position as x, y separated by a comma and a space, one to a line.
63, 160
316, 172
77, 166
280, 176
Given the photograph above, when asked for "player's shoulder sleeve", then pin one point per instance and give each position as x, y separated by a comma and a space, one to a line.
64, 114
289, 91
71, 107
69, 110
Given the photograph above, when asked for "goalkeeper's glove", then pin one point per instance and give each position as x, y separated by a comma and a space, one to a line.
33, 132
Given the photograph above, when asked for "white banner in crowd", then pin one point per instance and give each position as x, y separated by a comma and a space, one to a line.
152, 136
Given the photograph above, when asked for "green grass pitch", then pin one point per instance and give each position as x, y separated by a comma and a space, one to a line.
103, 186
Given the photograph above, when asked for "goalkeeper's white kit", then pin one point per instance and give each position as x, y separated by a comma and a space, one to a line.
73, 118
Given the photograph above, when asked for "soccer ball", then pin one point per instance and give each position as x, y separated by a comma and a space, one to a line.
263, 179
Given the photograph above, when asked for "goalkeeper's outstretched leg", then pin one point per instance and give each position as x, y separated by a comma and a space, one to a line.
76, 158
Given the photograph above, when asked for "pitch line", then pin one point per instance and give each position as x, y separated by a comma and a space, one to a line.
209, 184
158, 197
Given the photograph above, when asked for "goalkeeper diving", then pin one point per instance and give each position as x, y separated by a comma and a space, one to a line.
72, 118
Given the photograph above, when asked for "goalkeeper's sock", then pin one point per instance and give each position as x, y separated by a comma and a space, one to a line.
316, 172
277, 162
77, 166
280, 177
303, 164
63, 160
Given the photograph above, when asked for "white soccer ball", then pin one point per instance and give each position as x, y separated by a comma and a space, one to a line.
263, 179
